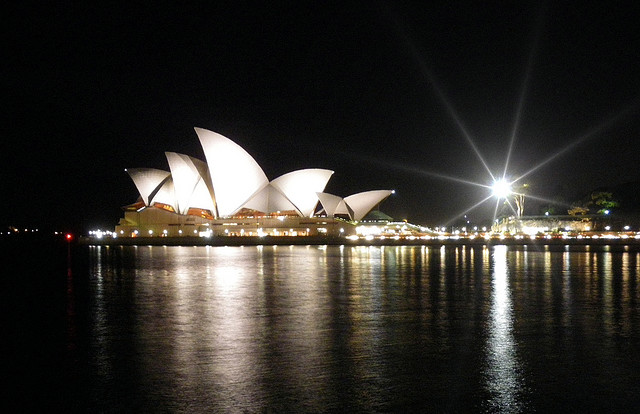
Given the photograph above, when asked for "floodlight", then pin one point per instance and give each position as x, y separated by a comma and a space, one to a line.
501, 188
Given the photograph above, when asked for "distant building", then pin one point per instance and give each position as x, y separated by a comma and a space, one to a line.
543, 224
230, 194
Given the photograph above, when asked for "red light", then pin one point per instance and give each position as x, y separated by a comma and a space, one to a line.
68, 236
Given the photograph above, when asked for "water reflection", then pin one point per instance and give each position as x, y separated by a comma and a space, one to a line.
503, 376
356, 328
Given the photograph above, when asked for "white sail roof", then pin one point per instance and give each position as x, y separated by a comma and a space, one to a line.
189, 185
301, 188
165, 194
231, 179
201, 197
269, 200
356, 205
362, 203
334, 204
235, 175
147, 181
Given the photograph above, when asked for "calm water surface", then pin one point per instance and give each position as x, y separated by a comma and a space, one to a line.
326, 329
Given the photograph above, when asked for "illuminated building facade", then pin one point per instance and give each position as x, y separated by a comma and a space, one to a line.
533, 225
229, 194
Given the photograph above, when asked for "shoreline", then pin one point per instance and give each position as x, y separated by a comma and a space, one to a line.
337, 241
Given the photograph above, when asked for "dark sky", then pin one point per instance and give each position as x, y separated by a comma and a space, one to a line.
382, 93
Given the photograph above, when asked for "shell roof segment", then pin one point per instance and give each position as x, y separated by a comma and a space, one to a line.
235, 175
356, 206
301, 188
189, 184
147, 181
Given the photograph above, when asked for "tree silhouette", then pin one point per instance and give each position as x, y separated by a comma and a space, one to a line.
604, 201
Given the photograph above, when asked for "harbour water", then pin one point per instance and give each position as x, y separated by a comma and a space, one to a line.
324, 329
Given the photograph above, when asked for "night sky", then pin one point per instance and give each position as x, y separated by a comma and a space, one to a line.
388, 95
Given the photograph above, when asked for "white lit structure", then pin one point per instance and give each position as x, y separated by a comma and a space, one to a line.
294, 191
355, 206
192, 190
148, 181
235, 176
230, 194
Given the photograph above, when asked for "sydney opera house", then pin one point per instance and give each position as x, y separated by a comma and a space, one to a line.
229, 194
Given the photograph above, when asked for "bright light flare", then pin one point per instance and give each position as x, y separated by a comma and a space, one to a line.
501, 188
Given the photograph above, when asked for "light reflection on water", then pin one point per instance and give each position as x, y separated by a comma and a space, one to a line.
503, 369
356, 329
